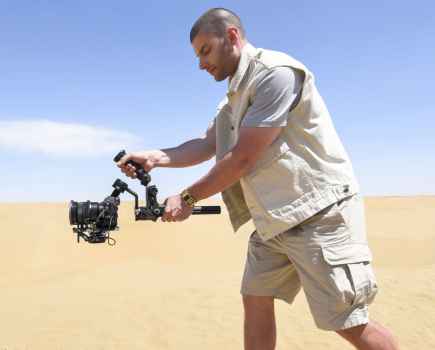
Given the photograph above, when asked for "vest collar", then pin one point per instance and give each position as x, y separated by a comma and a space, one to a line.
248, 52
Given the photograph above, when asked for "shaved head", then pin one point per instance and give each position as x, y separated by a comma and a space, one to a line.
216, 21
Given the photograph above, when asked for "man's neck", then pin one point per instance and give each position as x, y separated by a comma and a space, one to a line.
241, 47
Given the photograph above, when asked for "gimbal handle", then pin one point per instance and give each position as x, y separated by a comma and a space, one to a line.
141, 174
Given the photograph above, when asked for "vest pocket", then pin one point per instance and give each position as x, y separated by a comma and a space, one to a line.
277, 181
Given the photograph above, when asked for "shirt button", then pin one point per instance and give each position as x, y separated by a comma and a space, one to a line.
232, 127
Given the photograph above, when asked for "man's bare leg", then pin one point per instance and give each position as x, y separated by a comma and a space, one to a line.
371, 336
259, 327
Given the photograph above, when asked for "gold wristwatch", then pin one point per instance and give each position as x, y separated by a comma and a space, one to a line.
188, 198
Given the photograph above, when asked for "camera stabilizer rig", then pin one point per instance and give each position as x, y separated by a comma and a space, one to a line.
153, 210
95, 220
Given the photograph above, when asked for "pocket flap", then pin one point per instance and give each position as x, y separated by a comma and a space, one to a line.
339, 254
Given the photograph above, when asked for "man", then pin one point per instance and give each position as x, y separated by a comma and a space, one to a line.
281, 163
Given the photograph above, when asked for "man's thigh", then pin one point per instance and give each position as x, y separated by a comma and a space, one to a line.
268, 271
332, 259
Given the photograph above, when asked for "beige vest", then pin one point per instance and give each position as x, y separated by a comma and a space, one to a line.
302, 172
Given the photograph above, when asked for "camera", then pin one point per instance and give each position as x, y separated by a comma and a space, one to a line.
93, 219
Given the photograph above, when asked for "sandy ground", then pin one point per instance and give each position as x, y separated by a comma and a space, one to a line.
176, 285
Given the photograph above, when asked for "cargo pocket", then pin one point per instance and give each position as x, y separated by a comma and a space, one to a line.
351, 275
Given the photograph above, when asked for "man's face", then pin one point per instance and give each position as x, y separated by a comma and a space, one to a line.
216, 55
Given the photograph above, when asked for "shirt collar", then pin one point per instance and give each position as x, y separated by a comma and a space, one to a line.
247, 53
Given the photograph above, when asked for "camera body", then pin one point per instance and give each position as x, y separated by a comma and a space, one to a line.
94, 219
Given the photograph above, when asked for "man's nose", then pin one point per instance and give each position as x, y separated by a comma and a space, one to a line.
202, 64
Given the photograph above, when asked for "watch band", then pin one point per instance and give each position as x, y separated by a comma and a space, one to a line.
188, 198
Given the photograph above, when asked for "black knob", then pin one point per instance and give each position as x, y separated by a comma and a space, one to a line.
119, 156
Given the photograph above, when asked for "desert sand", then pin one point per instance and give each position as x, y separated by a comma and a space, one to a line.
176, 285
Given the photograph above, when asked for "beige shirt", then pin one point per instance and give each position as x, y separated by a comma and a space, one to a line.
305, 169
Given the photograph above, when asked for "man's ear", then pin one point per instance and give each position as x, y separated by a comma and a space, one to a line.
233, 35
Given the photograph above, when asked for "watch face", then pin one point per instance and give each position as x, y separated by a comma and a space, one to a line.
188, 199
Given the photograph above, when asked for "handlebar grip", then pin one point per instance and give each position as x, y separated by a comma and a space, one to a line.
141, 174
121, 154
118, 157
206, 209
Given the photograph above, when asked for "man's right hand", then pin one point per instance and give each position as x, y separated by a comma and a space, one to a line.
146, 159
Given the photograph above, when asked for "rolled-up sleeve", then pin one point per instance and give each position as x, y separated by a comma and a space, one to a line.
276, 93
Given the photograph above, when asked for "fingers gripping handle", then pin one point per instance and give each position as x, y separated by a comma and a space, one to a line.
121, 154
141, 174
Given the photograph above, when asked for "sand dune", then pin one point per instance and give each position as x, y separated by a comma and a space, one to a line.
176, 285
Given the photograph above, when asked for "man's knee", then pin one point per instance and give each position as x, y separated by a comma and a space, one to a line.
369, 333
353, 334
258, 304
260, 301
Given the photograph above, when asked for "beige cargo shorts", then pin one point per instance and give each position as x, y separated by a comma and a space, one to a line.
328, 256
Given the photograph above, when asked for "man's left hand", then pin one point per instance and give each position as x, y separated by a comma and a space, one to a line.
176, 209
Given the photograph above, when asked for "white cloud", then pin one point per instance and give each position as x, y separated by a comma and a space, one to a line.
64, 139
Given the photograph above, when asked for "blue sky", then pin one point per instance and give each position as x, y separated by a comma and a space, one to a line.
82, 79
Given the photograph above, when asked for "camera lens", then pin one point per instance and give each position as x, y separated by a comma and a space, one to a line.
93, 210
72, 213
103, 215
81, 212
